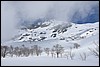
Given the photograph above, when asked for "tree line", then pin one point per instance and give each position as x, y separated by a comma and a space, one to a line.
24, 51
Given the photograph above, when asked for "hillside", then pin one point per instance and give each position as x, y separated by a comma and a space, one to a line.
57, 32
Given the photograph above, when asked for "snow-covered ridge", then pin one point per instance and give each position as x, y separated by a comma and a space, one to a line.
58, 30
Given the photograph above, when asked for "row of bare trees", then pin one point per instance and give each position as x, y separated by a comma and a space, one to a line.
20, 51
33, 50
56, 51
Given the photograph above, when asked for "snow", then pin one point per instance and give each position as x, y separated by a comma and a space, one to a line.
46, 61
76, 30
29, 31
49, 42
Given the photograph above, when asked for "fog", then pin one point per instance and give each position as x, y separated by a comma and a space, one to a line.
13, 12
8, 21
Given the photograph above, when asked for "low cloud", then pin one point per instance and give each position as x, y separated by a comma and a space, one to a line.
13, 12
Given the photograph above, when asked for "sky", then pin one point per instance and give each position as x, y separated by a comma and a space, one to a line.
13, 12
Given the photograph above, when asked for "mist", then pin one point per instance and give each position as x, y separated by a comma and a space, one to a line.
8, 21
66, 11
14, 13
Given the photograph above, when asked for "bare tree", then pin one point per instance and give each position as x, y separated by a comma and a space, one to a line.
95, 51
27, 52
52, 52
40, 50
17, 51
47, 51
4, 51
62, 51
37, 50
83, 56
58, 49
22, 50
11, 50
71, 54
66, 54
32, 51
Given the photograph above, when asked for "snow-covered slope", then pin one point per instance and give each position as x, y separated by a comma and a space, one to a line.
83, 34
67, 34
57, 30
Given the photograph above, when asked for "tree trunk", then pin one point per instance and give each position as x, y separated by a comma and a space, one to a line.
57, 55
52, 55
37, 54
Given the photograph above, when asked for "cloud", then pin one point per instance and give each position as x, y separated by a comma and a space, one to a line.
65, 10
13, 12
31, 9
8, 21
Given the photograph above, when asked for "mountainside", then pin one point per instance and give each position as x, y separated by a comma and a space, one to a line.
65, 34
75, 42
57, 30
50, 33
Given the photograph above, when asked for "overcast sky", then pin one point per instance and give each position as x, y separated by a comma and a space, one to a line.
13, 11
